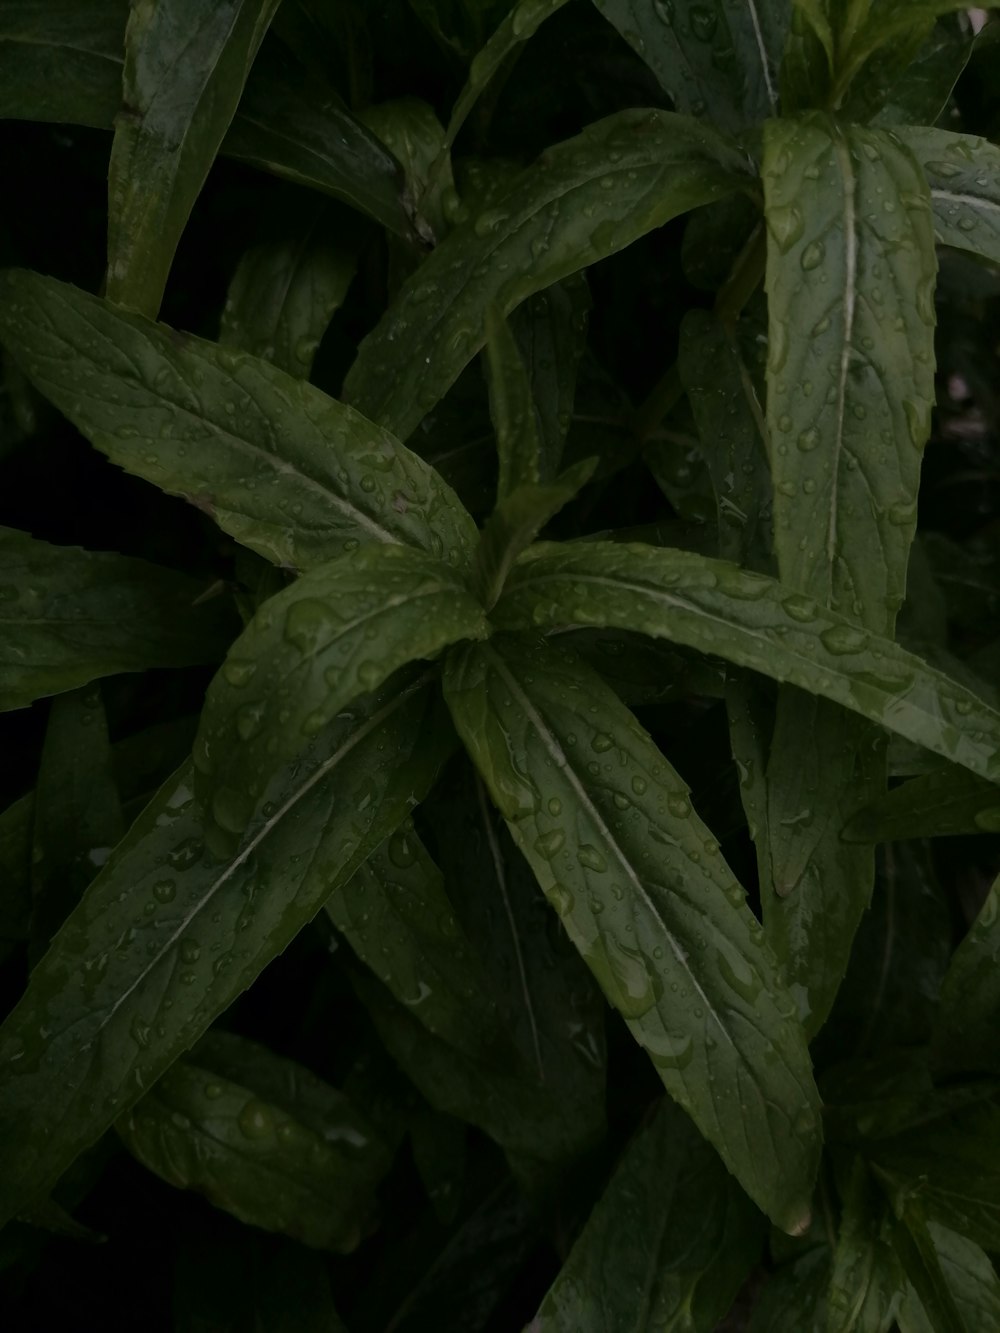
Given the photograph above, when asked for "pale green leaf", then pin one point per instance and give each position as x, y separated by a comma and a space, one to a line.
262, 1138
713, 60
963, 172
583, 200
69, 616
608, 829
966, 1033
185, 67
287, 471
284, 292
165, 938
754, 622
668, 1245
338, 632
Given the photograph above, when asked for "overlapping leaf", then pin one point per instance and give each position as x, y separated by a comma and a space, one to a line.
963, 172
70, 616
584, 200
166, 937
337, 633
965, 1036
608, 829
285, 470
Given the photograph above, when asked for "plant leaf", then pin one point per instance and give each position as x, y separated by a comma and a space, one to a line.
963, 172
411, 131
754, 622
61, 60
336, 633
70, 616
517, 520
921, 93
284, 292
77, 813
865, 1281
519, 441
965, 1035
94, 1029
711, 60
934, 805
648, 902
969, 1276
795, 1296
670, 1241
263, 1139
185, 67
917, 1253
294, 475
633, 172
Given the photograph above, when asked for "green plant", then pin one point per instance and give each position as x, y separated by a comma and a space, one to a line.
442, 749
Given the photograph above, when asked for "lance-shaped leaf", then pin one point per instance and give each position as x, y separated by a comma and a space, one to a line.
338, 632
166, 938
670, 1241
69, 616
185, 67
287, 471
963, 172
77, 812
412, 132
920, 94
522, 21
865, 1282
968, 1021
517, 520
608, 828
795, 1296
15, 873
714, 60
284, 292
519, 438
61, 60
583, 200
755, 622
850, 378
948, 1168
262, 1138
551, 332
396, 917
917, 1254
934, 805
883, 25
970, 1277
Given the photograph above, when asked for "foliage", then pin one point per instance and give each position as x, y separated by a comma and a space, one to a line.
499, 582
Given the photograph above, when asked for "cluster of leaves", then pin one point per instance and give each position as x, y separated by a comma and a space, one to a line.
584, 933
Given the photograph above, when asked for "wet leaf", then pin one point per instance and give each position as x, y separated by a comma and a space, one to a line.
648, 901
969, 1276
942, 804
70, 616
963, 173
294, 475
965, 1036
865, 1282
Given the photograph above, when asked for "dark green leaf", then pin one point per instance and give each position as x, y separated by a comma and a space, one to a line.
338, 632
754, 622
294, 475
649, 903
584, 200
77, 813
934, 805
412, 132
185, 67
865, 1282
263, 1139
517, 520
921, 93
16, 824
917, 1253
714, 60
61, 60
519, 439
969, 1276
70, 616
166, 938
670, 1242
284, 293
966, 1033
963, 173
795, 1296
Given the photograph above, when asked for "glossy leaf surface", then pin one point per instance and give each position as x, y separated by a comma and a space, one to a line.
670, 1241
755, 622
337, 633
963, 173
185, 66
263, 1139
934, 805
70, 616
294, 475
584, 200
164, 922
865, 1282
644, 918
